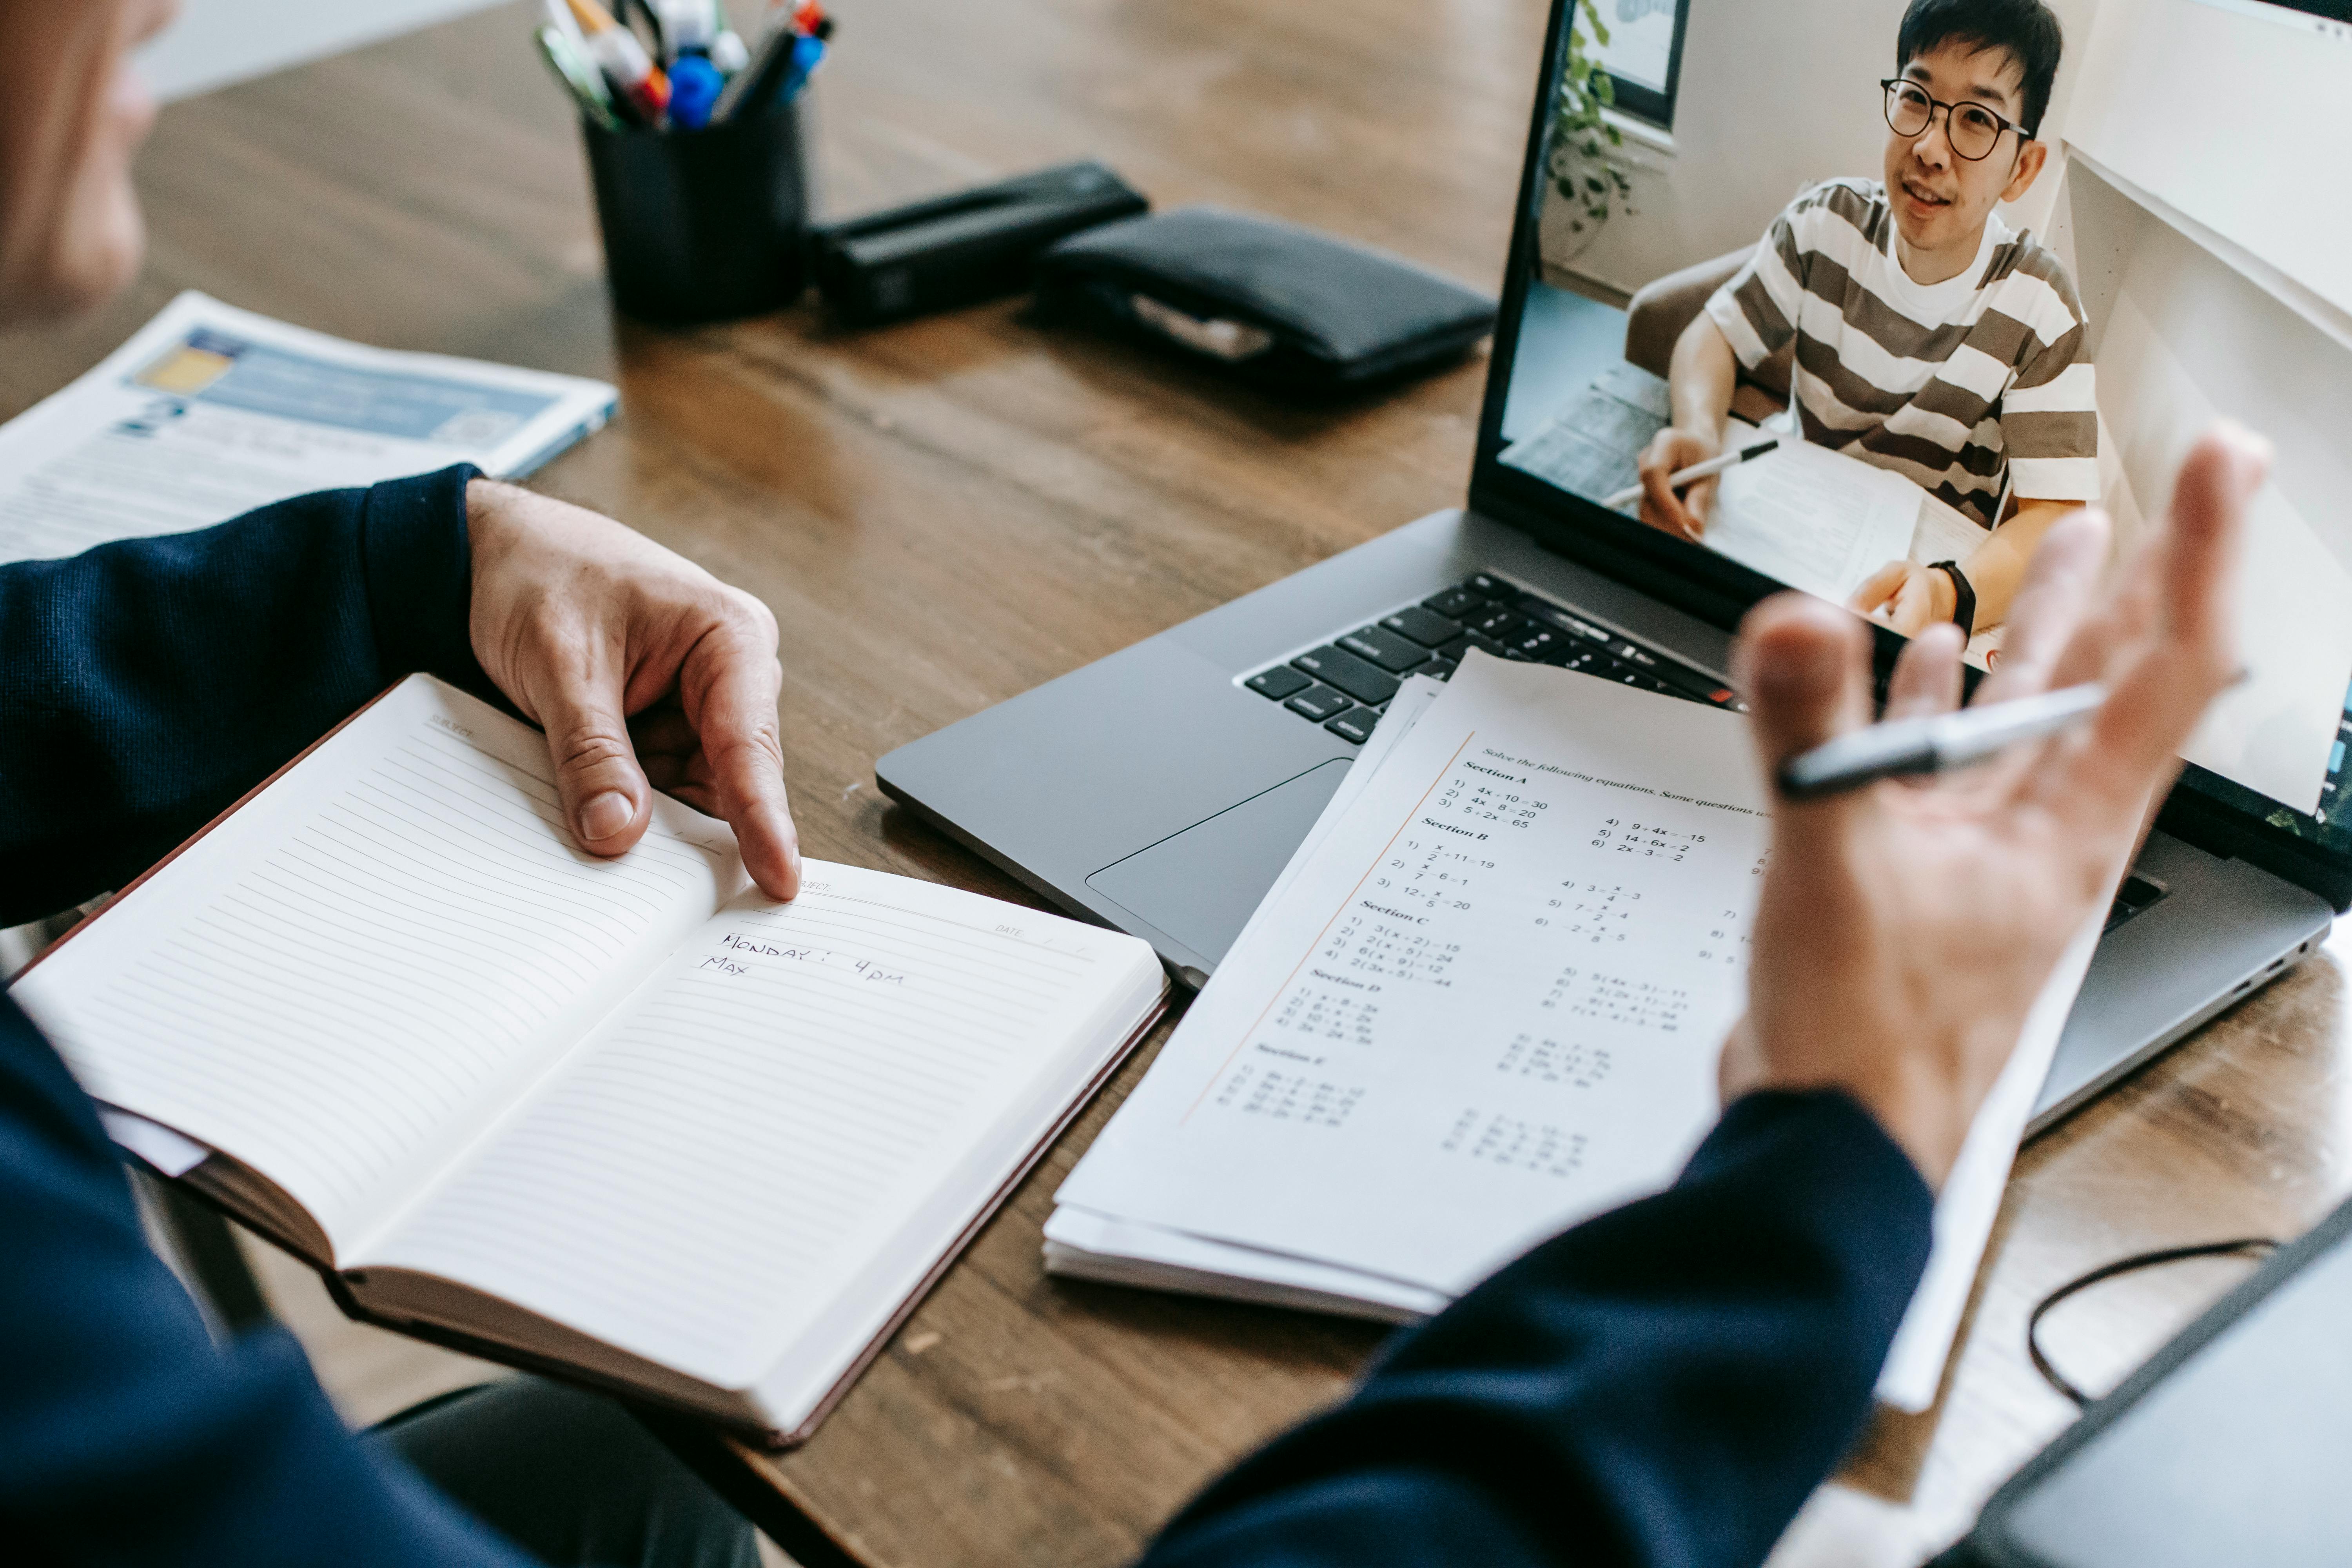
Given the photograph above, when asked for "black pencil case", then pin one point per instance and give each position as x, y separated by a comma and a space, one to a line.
1271, 303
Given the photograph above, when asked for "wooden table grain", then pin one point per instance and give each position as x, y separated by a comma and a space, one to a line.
945, 513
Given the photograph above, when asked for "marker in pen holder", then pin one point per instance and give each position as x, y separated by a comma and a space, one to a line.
703, 226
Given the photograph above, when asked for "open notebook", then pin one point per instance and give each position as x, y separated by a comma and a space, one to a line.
629, 1120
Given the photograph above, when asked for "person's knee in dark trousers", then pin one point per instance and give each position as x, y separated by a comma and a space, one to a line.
569, 1477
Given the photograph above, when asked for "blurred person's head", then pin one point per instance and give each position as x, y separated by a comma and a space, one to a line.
1993, 62
70, 121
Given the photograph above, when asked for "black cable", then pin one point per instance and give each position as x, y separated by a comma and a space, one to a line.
2131, 1264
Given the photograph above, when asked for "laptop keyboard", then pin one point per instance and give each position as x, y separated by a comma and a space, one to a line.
1345, 684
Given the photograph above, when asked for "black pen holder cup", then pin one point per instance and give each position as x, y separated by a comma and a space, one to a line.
703, 226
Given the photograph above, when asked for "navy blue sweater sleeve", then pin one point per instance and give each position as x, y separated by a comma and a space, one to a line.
145, 684
1660, 1387
126, 1437
143, 687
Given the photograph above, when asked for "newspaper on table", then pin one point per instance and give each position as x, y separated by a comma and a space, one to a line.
210, 411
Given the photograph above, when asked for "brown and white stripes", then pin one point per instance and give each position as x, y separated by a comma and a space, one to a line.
1950, 383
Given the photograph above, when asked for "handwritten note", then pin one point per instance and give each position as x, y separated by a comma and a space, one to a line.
735, 1144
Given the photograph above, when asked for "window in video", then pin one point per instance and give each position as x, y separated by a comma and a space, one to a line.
2331, 10
1639, 44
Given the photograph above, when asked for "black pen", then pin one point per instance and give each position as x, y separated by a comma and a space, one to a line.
757, 82
1684, 478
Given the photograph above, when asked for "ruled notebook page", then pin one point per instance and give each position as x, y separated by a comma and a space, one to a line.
347, 979
746, 1137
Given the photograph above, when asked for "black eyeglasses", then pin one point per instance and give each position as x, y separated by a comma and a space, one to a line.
1973, 130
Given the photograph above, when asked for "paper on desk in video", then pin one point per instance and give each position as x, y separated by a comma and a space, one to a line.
209, 412
1944, 532
1386, 1248
1592, 445
1814, 519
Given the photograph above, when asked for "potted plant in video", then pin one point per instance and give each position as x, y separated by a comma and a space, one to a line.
1587, 164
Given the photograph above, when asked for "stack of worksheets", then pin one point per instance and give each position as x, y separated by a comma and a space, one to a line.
1484, 1002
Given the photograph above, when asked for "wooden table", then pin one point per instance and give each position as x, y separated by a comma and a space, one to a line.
948, 513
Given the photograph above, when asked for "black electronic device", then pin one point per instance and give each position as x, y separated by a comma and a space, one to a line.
2228, 1446
963, 248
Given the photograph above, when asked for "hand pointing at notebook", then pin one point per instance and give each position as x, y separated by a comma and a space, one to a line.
645, 671
1904, 931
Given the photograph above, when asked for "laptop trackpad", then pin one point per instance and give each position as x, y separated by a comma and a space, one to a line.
1203, 885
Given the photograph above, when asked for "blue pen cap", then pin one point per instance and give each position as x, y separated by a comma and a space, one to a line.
694, 88
808, 53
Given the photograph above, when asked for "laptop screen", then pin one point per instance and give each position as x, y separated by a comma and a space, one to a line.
1863, 278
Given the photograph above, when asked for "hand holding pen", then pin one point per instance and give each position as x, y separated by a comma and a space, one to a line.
1903, 932
1682, 479
1679, 470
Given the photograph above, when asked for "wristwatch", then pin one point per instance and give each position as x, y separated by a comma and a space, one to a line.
1964, 597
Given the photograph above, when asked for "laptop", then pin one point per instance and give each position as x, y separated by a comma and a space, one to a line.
1160, 790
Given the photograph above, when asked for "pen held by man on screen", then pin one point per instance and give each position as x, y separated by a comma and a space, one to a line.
1684, 478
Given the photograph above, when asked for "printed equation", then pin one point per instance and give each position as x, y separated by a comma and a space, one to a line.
1422, 876
1254, 1090
1478, 800
1726, 942
1368, 947
1618, 999
1324, 1007
1569, 1062
1516, 1143
1592, 912
1645, 840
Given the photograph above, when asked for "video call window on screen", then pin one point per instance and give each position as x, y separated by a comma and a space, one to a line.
1941, 317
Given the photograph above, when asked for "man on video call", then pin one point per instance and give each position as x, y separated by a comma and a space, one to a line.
1930, 338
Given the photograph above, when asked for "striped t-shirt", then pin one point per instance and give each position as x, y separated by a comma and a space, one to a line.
1949, 385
